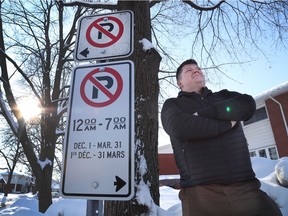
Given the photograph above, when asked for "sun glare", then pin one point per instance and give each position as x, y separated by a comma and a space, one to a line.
29, 108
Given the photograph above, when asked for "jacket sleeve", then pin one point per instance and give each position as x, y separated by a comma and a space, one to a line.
187, 126
236, 107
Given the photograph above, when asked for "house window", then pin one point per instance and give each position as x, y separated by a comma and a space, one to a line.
269, 152
262, 153
259, 115
273, 153
253, 154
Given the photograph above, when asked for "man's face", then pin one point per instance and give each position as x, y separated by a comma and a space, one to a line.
191, 78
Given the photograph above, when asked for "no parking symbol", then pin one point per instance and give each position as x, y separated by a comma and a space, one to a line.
103, 28
96, 83
104, 36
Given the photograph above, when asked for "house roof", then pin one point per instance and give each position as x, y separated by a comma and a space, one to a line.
272, 92
2, 180
164, 149
5, 173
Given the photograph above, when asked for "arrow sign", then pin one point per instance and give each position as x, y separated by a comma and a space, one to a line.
98, 160
104, 36
85, 52
120, 183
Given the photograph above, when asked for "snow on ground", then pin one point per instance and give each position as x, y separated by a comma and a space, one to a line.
27, 205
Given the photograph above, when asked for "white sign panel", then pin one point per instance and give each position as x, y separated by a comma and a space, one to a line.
104, 36
98, 160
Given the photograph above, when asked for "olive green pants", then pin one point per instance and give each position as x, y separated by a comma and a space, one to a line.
238, 199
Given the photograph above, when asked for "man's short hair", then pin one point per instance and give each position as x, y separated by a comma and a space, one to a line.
179, 69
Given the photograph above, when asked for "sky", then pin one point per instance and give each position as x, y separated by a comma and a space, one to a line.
170, 205
259, 76
254, 77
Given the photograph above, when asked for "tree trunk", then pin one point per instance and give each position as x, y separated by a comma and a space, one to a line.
6, 191
44, 189
6, 187
44, 177
146, 115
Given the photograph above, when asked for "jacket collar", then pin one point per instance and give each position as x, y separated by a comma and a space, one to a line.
204, 92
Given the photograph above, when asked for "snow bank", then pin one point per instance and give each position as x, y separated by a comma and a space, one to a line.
170, 204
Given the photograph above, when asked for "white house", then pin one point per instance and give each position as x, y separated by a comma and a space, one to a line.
267, 130
20, 182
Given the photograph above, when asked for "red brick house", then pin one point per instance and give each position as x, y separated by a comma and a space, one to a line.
266, 131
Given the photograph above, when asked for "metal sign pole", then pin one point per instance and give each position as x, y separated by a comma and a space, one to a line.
95, 208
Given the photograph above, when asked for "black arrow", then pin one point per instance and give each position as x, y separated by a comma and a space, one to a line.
119, 183
85, 52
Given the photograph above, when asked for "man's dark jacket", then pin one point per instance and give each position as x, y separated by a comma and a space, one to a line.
207, 149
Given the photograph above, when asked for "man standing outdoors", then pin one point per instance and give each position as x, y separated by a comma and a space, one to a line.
211, 150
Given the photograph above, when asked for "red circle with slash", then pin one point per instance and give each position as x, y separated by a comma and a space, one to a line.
114, 38
110, 95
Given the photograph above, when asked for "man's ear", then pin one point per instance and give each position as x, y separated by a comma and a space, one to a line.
179, 84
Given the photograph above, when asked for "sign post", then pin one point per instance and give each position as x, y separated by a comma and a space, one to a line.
99, 142
95, 208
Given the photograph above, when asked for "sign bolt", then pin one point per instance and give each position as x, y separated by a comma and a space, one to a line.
102, 69
95, 185
103, 51
105, 19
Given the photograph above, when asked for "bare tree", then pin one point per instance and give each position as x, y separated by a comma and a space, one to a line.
39, 44
11, 151
222, 33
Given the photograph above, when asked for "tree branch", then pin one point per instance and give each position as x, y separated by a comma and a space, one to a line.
96, 5
197, 7
154, 2
4, 111
23, 74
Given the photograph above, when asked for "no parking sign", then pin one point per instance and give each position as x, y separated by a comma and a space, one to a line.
99, 141
112, 78
104, 36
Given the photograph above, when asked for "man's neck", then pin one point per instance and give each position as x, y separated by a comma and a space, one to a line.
197, 90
